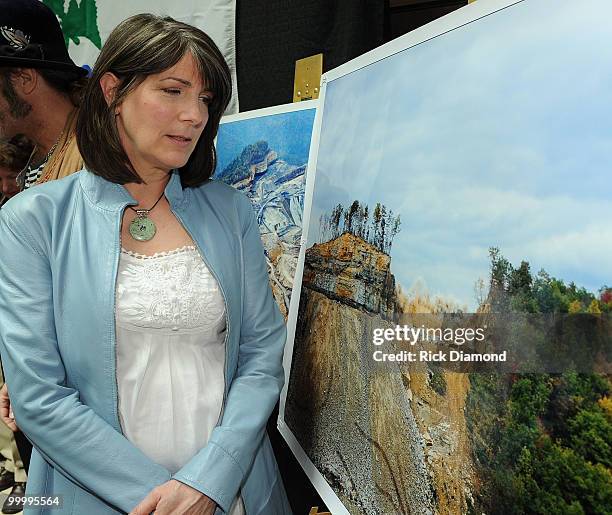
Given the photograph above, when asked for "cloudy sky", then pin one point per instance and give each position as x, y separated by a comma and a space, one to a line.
498, 133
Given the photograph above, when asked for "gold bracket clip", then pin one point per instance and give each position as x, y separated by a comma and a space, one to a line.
307, 82
315, 511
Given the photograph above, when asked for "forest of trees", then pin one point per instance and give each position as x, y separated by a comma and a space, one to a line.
517, 289
543, 441
378, 227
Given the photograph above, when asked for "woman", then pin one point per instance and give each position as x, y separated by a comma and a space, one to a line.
141, 341
15, 153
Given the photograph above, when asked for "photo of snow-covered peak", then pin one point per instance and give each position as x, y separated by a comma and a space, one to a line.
265, 156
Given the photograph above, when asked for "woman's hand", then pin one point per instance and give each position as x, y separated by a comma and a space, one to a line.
6, 413
175, 497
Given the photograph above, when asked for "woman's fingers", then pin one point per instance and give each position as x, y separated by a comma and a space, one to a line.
6, 413
174, 497
148, 504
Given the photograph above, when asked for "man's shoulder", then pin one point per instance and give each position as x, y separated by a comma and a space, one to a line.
64, 161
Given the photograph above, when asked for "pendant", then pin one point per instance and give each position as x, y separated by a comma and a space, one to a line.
142, 228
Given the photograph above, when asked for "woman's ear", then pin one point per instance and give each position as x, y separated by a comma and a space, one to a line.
109, 83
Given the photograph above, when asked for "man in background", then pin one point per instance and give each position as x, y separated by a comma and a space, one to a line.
39, 88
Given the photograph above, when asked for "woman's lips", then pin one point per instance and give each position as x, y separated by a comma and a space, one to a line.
180, 140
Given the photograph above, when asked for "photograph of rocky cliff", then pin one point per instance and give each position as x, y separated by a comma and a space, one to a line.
266, 156
447, 186
386, 440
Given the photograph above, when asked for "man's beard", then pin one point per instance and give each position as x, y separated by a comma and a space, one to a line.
17, 107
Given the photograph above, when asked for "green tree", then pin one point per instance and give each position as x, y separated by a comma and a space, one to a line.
80, 20
380, 244
350, 217
591, 436
376, 224
335, 219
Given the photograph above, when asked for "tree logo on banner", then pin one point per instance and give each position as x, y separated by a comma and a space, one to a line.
80, 20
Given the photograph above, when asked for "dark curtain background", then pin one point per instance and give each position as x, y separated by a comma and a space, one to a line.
272, 34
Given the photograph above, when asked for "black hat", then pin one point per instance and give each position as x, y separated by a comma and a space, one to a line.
31, 37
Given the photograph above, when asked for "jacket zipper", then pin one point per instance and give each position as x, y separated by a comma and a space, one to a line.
115, 320
227, 324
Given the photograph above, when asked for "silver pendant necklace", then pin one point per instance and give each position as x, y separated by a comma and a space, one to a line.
142, 228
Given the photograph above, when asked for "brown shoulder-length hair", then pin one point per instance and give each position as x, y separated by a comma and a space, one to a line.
140, 46
15, 152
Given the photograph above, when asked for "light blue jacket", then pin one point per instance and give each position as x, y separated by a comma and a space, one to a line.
59, 252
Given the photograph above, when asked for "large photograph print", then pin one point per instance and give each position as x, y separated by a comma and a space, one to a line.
264, 154
464, 168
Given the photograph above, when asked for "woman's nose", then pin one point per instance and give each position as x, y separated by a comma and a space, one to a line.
195, 112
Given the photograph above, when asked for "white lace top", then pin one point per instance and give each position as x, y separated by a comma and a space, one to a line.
170, 320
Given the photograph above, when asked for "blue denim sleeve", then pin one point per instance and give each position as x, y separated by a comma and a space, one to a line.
69, 434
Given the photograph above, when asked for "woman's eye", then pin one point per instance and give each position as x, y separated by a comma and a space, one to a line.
206, 100
172, 91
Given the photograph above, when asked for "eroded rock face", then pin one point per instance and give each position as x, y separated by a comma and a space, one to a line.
382, 436
354, 421
354, 272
